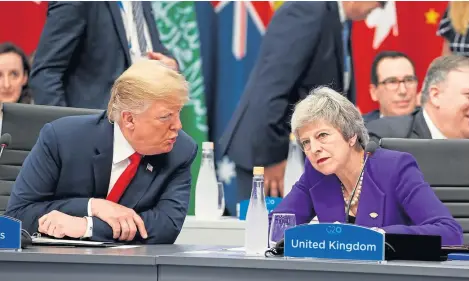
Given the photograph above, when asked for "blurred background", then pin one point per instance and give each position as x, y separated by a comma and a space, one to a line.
217, 44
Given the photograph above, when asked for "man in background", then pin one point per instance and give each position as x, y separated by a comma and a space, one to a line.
445, 106
86, 45
307, 44
393, 85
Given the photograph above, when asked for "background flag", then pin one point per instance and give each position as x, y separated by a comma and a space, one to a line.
179, 32
21, 23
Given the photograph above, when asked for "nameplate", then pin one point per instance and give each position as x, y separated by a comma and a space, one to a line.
334, 241
10, 233
270, 203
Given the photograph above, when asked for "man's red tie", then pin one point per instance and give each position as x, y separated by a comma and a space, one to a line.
124, 179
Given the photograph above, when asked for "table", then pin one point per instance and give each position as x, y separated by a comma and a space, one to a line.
85, 264
202, 263
228, 231
232, 266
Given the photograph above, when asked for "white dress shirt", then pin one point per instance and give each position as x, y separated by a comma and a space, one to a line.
434, 131
120, 160
131, 31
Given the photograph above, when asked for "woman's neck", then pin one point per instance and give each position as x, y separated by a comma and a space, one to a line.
350, 173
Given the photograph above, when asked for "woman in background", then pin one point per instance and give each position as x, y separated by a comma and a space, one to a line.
391, 196
14, 73
454, 29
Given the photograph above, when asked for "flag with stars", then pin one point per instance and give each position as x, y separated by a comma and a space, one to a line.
21, 23
406, 26
237, 30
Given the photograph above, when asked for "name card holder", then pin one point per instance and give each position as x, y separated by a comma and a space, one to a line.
334, 241
10, 233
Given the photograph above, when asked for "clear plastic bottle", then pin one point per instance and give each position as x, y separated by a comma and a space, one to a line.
206, 190
295, 165
257, 220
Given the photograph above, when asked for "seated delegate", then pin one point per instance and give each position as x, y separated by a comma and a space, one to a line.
124, 174
392, 195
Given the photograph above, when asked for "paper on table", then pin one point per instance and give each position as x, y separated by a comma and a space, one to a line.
52, 241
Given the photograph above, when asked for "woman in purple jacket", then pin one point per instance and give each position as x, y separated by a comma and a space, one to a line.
391, 194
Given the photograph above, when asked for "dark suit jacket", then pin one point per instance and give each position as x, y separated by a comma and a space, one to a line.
296, 55
370, 116
82, 50
411, 126
71, 162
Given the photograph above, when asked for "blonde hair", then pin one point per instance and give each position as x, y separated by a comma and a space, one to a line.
144, 82
459, 16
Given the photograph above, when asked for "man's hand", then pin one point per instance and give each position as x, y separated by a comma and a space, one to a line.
170, 62
273, 179
123, 221
59, 225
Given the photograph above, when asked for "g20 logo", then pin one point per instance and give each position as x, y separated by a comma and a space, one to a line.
333, 229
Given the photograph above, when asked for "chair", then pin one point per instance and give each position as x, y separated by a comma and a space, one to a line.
23, 122
445, 166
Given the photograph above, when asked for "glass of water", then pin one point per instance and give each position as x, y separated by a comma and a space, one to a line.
278, 225
221, 199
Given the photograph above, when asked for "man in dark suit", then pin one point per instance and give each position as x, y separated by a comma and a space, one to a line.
118, 175
445, 111
302, 48
393, 85
85, 46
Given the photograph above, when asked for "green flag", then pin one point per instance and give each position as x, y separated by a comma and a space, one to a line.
177, 24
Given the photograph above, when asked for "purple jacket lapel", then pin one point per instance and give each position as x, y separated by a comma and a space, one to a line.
329, 204
328, 200
371, 203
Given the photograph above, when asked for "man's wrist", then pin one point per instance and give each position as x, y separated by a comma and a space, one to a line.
89, 227
90, 208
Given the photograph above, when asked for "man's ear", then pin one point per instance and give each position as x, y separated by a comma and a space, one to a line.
127, 120
435, 95
374, 92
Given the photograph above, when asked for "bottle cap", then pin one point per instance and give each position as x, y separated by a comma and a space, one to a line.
258, 171
292, 137
207, 145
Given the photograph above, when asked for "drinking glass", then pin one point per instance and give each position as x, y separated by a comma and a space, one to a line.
278, 225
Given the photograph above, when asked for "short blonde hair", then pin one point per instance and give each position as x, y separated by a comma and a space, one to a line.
144, 82
325, 104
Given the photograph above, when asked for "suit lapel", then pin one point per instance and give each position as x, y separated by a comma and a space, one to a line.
371, 205
328, 199
420, 127
147, 170
150, 20
102, 161
119, 25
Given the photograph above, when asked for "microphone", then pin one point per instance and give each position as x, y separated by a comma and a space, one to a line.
5, 141
369, 150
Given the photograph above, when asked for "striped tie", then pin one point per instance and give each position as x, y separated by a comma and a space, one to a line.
140, 24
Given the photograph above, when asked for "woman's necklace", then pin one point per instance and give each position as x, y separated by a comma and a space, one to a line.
356, 197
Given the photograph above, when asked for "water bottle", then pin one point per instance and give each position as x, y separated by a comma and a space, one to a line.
257, 217
206, 189
295, 166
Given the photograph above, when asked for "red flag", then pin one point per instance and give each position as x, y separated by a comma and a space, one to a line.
408, 27
22, 23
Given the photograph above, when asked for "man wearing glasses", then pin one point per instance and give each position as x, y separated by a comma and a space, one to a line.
445, 106
393, 85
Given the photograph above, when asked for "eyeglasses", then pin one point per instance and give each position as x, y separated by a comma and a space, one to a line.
393, 83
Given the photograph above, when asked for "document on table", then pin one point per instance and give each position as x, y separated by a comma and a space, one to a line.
65, 242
